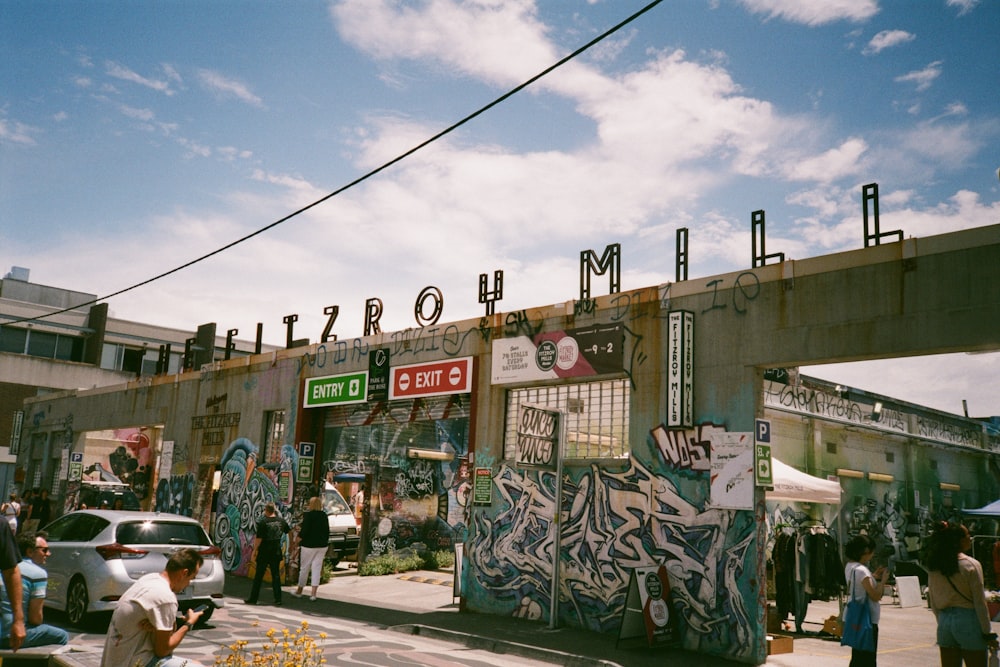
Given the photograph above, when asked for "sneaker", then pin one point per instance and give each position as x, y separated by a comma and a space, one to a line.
296, 595
312, 598
251, 602
277, 603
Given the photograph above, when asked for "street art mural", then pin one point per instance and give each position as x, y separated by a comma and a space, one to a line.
615, 521
176, 494
244, 489
132, 460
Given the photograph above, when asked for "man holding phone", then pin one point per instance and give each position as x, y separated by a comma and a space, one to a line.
142, 628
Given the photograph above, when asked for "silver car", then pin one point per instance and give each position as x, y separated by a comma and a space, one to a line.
97, 554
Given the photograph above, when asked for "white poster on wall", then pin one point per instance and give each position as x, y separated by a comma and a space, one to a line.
166, 459
732, 477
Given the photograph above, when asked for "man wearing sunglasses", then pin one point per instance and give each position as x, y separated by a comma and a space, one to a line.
35, 549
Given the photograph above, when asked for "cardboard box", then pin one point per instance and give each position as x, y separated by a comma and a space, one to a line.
779, 644
833, 626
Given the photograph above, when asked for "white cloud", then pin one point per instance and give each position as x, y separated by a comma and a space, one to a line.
887, 39
123, 73
223, 87
138, 114
814, 13
501, 41
923, 78
964, 6
14, 132
832, 165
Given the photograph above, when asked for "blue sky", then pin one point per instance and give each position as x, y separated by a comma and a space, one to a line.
137, 136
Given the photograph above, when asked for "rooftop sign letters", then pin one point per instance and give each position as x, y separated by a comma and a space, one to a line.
436, 378
336, 390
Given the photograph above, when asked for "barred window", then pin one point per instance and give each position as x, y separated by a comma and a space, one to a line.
274, 435
596, 417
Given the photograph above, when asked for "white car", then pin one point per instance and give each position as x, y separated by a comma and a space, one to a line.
344, 537
97, 554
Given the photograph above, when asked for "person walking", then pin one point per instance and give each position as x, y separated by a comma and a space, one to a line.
863, 584
957, 596
34, 580
314, 538
267, 552
10, 511
142, 630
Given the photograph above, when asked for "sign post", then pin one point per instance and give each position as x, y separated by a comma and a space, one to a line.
540, 436
763, 470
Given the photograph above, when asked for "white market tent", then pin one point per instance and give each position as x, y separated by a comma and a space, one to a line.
791, 484
993, 509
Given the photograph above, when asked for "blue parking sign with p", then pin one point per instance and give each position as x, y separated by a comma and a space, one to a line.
763, 469
763, 431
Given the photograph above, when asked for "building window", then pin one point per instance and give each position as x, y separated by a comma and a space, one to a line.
274, 435
13, 340
42, 344
596, 417
111, 357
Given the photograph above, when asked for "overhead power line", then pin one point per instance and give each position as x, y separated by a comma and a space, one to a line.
402, 156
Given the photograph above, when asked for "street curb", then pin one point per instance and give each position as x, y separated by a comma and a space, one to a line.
502, 647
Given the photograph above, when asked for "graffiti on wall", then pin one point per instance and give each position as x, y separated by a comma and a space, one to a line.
614, 522
686, 448
414, 501
176, 495
244, 489
132, 460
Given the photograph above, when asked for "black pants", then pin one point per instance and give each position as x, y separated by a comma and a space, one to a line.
268, 557
865, 658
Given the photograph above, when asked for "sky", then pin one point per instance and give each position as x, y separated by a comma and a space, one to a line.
137, 137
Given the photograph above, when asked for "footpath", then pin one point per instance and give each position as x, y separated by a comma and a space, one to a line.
421, 603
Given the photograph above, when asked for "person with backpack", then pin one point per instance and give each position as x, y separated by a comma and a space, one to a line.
269, 531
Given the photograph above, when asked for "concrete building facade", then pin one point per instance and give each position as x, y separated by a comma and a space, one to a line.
450, 431
54, 339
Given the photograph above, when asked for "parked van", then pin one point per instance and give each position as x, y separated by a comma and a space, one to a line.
97, 495
344, 536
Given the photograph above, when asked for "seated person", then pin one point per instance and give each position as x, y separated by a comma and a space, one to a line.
34, 578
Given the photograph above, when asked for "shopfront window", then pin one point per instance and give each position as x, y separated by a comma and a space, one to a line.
274, 435
596, 417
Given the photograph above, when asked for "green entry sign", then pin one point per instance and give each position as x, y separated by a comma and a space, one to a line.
336, 390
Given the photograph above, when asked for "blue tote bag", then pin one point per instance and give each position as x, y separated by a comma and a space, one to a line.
858, 632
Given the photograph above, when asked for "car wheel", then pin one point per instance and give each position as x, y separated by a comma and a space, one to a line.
77, 601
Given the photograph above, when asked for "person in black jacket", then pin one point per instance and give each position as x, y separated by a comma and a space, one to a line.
267, 552
314, 537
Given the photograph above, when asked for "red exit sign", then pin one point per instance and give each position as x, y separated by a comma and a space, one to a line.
436, 378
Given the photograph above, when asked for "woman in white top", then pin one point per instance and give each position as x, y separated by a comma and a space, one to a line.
861, 582
10, 511
956, 594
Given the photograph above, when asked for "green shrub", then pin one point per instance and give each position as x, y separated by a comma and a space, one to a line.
405, 561
390, 564
326, 574
438, 560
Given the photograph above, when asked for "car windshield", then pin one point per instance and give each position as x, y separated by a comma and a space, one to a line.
159, 532
334, 503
